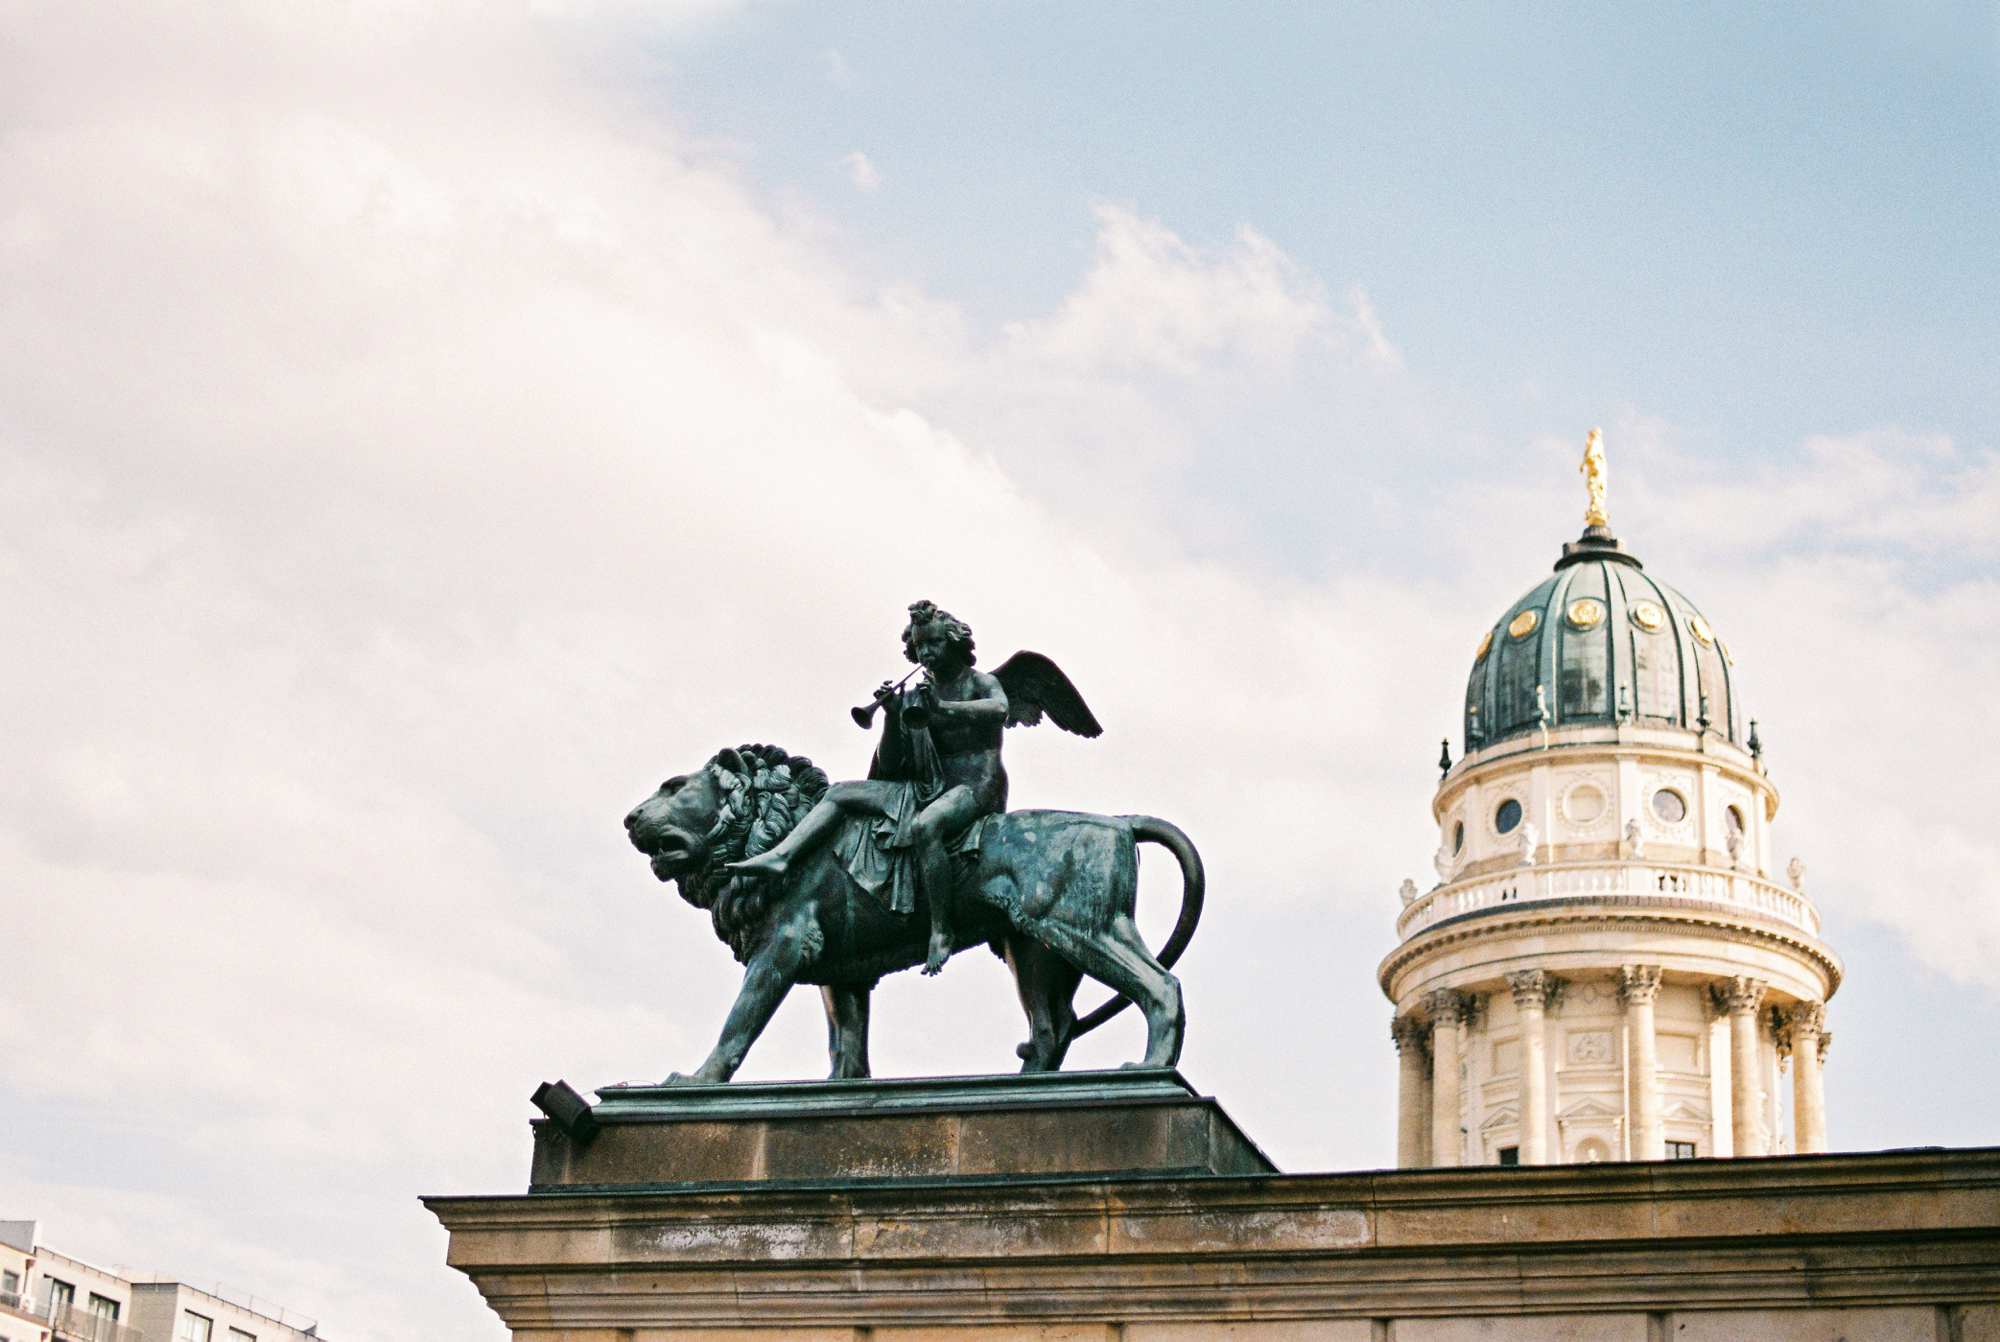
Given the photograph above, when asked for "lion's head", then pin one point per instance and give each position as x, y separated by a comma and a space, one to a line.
736, 806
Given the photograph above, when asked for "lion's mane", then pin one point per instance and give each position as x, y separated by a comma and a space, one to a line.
766, 792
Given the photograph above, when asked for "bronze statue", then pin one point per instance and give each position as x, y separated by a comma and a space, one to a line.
937, 772
817, 882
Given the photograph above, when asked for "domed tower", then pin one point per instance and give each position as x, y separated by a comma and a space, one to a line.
1608, 967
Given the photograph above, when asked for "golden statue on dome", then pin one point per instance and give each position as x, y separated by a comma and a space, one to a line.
1595, 476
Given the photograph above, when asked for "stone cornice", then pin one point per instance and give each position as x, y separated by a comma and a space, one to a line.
1822, 1231
1605, 915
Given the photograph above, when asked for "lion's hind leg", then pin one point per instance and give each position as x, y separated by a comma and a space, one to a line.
847, 1029
1047, 985
1117, 957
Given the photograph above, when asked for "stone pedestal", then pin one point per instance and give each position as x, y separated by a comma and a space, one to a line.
1055, 1123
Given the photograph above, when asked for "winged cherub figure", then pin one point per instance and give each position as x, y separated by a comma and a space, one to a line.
936, 772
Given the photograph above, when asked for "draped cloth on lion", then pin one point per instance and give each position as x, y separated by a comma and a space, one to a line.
880, 852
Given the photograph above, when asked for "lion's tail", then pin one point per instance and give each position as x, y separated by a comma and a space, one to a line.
1194, 886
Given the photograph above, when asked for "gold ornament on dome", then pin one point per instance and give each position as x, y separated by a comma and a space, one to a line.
1728, 657
1648, 617
1523, 624
1485, 646
1596, 476
1701, 630
1585, 612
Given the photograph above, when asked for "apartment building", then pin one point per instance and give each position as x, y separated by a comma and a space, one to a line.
49, 1296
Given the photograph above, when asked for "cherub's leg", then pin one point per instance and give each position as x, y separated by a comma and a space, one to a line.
841, 798
948, 815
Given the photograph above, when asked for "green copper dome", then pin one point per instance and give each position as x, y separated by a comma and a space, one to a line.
1598, 642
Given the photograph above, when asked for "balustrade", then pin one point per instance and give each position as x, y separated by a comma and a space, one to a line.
1595, 881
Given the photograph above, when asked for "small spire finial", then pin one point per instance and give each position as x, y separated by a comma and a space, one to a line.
1595, 476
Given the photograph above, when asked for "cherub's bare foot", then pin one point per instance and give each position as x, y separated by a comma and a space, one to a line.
771, 865
940, 952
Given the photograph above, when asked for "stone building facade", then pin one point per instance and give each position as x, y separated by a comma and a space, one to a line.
1611, 965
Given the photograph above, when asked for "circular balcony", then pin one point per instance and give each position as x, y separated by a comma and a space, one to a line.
1635, 883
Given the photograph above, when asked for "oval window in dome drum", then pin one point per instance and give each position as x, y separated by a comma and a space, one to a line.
1508, 816
1670, 806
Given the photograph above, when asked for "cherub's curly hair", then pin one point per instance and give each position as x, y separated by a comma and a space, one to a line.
957, 630
766, 792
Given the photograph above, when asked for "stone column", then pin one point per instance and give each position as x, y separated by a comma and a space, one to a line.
1740, 997
1531, 989
1639, 985
1805, 1028
1447, 1033
1412, 1093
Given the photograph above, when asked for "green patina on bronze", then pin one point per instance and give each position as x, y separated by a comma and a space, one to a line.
837, 884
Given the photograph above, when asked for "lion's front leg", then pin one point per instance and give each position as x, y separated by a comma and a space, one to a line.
791, 945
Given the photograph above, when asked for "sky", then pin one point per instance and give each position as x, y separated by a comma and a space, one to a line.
424, 428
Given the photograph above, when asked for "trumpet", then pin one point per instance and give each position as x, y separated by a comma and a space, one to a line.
864, 714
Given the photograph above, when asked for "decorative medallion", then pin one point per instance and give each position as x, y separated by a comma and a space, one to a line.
1701, 630
1523, 624
1485, 646
1648, 616
1584, 805
1590, 1046
1585, 612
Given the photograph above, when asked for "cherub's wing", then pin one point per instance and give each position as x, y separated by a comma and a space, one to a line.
1035, 685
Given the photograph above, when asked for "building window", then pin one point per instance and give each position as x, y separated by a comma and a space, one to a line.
60, 1297
1508, 816
10, 1282
1458, 838
1510, 1155
1670, 806
238, 1335
195, 1328
1680, 1151
104, 1307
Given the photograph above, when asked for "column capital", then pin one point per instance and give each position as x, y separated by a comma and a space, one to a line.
1639, 984
1825, 1043
1409, 1032
1800, 1025
1537, 988
1449, 1006
1739, 996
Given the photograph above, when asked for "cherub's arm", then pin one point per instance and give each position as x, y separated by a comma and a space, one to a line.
988, 703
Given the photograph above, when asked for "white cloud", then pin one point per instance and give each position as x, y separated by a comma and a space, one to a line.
861, 172
838, 72
400, 474
1153, 301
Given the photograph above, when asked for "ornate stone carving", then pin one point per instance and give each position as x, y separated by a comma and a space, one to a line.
1825, 1042
1639, 983
1634, 844
1796, 870
1528, 986
1530, 840
1408, 892
1410, 1032
1590, 1046
1737, 995
1448, 1005
1536, 988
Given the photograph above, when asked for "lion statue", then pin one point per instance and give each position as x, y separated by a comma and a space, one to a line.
1052, 892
